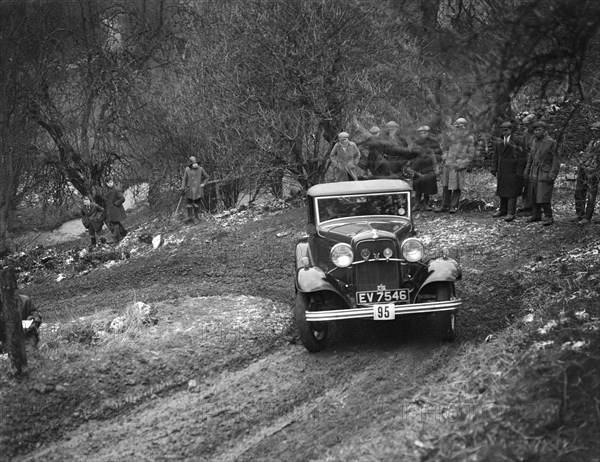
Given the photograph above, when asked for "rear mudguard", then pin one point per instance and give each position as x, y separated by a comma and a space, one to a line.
442, 270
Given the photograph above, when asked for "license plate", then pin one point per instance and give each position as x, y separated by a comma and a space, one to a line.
382, 296
384, 312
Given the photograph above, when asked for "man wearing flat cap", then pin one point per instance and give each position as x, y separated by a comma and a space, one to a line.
542, 168
458, 155
508, 164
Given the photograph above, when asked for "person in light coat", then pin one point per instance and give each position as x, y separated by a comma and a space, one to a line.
543, 164
456, 159
192, 185
343, 160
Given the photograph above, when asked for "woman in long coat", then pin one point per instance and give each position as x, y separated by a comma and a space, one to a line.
542, 169
344, 158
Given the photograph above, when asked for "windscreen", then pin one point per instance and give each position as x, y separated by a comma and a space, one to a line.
390, 204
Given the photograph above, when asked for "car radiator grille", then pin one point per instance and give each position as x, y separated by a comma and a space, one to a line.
370, 275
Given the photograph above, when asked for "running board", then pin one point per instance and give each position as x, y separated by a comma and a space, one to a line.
368, 311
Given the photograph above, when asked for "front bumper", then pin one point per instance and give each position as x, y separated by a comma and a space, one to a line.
367, 311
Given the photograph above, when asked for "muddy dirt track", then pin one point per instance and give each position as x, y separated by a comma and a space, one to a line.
223, 377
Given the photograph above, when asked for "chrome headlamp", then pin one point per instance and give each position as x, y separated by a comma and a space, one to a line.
412, 249
341, 255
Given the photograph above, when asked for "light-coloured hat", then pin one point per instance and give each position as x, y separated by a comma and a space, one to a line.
423, 128
374, 130
505, 125
343, 135
460, 122
540, 124
193, 160
529, 119
392, 124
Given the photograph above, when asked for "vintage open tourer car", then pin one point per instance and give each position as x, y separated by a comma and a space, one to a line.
361, 259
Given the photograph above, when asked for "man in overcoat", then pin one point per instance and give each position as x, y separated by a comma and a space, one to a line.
508, 164
425, 168
115, 212
542, 168
527, 137
457, 157
192, 185
28, 312
588, 178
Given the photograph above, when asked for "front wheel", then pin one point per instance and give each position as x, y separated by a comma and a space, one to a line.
312, 334
444, 321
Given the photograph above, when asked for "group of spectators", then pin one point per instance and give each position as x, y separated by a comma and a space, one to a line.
525, 165
94, 215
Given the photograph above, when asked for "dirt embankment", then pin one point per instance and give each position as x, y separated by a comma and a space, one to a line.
222, 376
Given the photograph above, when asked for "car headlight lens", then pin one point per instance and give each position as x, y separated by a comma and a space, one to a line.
342, 255
412, 250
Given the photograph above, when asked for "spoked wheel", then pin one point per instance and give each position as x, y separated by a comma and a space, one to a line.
312, 334
444, 322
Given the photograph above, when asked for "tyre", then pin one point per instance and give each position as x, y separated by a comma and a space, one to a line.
312, 334
444, 321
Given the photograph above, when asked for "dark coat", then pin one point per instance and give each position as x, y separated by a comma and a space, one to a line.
93, 215
193, 179
508, 164
424, 166
115, 212
375, 162
432, 145
386, 159
27, 311
542, 168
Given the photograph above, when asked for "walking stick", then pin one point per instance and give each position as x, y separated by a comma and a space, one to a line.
178, 204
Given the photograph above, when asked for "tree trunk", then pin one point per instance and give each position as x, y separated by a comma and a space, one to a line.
11, 318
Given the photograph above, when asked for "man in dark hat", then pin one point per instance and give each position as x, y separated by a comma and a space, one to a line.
542, 168
588, 178
508, 164
192, 185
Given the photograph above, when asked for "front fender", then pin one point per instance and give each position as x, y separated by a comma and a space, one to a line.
303, 250
310, 278
313, 279
442, 270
